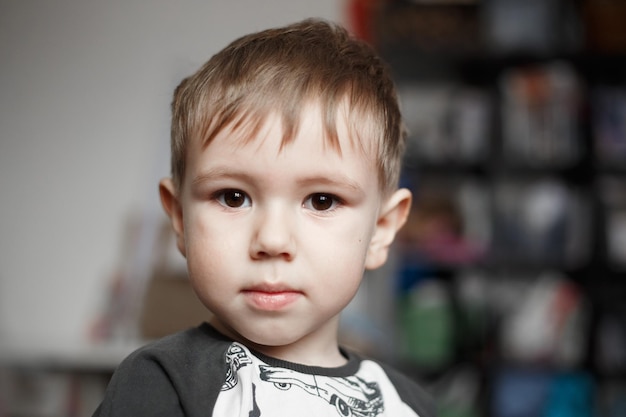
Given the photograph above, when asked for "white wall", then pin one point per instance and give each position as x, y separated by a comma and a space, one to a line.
85, 88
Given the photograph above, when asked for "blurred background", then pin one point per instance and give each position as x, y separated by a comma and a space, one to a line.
506, 293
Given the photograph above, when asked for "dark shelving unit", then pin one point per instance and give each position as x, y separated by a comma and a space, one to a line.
552, 217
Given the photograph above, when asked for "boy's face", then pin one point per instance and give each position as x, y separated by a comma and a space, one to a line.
277, 240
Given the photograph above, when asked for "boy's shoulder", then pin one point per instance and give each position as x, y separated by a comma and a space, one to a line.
161, 375
185, 356
193, 343
409, 390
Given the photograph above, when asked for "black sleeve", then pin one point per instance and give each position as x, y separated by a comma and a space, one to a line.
411, 392
140, 387
180, 375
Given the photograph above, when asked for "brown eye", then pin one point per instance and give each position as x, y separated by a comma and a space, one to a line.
233, 199
321, 202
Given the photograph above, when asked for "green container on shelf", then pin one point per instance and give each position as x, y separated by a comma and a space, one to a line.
427, 326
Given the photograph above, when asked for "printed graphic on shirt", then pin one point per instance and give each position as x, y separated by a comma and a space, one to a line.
236, 358
351, 396
253, 388
255, 412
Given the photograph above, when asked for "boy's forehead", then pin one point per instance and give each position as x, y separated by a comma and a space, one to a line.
347, 129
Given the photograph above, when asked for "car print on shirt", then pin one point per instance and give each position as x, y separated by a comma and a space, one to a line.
351, 396
236, 358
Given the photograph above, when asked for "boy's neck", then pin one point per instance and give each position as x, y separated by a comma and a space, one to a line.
321, 350
331, 358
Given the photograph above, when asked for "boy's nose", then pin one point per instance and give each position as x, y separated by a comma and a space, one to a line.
273, 235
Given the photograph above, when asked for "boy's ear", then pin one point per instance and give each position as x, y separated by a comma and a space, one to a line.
392, 217
173, 208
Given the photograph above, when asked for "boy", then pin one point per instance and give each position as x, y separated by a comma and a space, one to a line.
286, 150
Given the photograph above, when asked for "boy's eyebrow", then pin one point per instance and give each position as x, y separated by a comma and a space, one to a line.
216, 173
337, 180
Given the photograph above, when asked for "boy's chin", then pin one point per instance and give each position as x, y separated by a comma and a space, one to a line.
269, 339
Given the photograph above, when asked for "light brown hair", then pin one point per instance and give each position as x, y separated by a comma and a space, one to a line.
281, 70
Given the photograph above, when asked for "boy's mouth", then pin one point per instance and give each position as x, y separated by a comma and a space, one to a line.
271, 297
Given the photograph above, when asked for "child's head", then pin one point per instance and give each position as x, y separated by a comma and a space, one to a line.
286, 156
283, 70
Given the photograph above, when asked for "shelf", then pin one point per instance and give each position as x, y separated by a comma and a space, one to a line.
85, 358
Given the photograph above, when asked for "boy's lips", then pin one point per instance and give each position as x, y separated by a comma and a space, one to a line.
271, 297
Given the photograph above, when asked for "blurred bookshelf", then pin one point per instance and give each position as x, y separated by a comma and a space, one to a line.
56, 380
511, 270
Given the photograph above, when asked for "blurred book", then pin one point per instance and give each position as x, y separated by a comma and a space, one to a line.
540, 116
447, 123
449, 223
544, 222
613, 200
531, 26
609, 125
431, 26
549, 325
604, 23
541, 393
